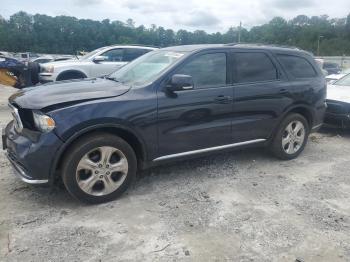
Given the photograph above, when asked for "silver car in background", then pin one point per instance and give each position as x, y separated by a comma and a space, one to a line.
99, 62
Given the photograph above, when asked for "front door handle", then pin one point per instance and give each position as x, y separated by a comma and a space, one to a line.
284, 91
222, 99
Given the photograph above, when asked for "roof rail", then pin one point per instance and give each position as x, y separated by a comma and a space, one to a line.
262, 44
152, 46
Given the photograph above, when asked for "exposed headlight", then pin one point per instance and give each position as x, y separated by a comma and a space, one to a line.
43, 122
47, 69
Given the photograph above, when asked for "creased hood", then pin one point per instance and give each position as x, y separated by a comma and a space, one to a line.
66, 92
338, 93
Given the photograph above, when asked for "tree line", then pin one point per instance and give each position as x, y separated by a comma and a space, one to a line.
66, 35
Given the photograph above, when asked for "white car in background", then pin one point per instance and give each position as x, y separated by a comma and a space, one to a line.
99, 62
338, 102
334, 77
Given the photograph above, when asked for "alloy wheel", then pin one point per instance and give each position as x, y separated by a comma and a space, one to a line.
102, 171
293, 137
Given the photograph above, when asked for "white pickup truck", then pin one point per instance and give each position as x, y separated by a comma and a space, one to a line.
99, 62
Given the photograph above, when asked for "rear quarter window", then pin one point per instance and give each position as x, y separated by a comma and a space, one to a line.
297, 66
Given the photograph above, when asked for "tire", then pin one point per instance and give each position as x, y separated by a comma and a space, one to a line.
288, 141
70, 75
89, 178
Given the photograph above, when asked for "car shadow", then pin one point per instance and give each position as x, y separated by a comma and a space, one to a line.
330, 131
57, 196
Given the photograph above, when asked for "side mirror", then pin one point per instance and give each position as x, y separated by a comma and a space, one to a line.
180, 82
100, 58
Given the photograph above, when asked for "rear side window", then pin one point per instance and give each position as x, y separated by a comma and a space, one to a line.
297, 66
254, 67
207, 70
330, 65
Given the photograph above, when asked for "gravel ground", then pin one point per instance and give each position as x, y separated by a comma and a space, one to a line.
239, 206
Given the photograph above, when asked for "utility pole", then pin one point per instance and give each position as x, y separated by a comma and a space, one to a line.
318, 44
239, 32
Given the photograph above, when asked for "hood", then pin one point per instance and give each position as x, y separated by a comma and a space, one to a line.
64, 63
338, 93
66, 92
335, 76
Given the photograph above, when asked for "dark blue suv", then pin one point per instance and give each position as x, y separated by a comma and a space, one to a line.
169, 104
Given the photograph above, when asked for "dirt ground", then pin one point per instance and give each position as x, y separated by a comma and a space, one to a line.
239, 206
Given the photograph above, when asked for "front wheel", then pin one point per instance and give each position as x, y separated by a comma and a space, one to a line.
99, 168
291, 137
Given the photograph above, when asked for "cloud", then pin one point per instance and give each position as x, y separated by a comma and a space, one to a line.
197, 19
150, 6
87, 2
209, 15
292, 4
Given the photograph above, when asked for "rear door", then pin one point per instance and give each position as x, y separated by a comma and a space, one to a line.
261, 92
200, 118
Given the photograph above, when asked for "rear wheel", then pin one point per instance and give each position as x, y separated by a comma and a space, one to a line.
99, 168
291, 137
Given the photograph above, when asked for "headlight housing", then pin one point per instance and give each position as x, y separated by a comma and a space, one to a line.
43, 122
47, 69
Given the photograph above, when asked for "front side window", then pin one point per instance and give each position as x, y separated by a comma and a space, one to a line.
297, 66
254, 67
114, 55
207, 70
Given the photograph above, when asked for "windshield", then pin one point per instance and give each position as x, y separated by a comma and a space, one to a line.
91, 54
344, 81
146, 68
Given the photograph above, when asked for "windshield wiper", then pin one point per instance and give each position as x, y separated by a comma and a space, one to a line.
112, 79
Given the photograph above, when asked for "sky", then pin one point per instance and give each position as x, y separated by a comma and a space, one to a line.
208, 15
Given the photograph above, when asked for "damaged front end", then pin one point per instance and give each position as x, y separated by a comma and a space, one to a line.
27, 148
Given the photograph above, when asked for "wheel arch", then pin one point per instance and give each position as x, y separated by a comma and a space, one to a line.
301, 109
124, 132
75, 71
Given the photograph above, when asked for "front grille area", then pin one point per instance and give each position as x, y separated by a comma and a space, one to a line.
16, 118
26, 116
23, 118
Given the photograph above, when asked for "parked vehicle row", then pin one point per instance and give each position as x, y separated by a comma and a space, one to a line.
50, 68
169, 104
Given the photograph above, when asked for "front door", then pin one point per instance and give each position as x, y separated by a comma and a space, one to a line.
114, 60
200, 118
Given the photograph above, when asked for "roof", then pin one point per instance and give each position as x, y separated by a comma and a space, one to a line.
132, 46
191, 48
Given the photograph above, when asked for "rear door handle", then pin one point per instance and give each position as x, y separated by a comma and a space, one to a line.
223, 99
284, 91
